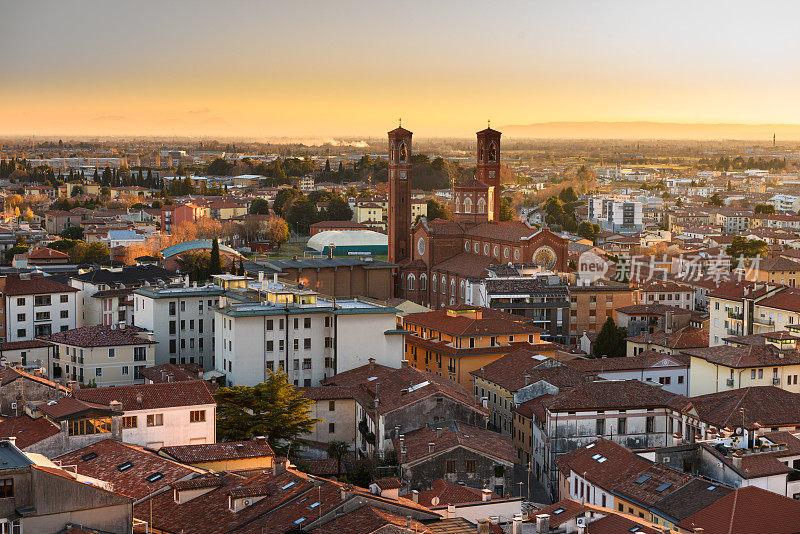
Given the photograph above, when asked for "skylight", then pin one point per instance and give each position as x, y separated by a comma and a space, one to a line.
558, 511
601, 459
663, 486
124, 466
633, 529
711, 488
89, 456
298, 521
642, 479
314, 505
589, 446
287, 486
596, 456
158, 475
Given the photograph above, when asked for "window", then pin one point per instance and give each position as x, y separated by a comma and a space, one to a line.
124, 370
41, 300
761, 373
111, 353
98, 371
129, 421
270, 346
650, 424
469, 465
20, 302
600, 427
137, 372
296, 364
183, 305
20, 332
306, 363
183, 325
173, 346
139, 354
270, 365
124, 466
197, 416
331, 428
6, 488
172, 328
622, 425
155, 476
20, 317
296, 323
451, 466
307, 343
307, 322
84, 427
680, 379
172, 308
270, 324
191, 324
331, 406
155, 419
200, 326
64, 314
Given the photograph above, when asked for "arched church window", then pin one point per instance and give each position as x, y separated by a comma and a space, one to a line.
480, 152
444, 284
403, 152
411, 282
423, 282
463, 290
467, 205
493, 152
433, 282
481, 205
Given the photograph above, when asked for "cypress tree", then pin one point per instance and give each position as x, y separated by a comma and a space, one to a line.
215, 264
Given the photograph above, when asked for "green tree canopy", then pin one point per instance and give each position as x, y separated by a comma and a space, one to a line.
766, 209
588, 230
73, 232
337, 449
274, 409
259, 206
716, 200
748, 248
610, 341
338, 209
282, 197
437, 210
215, 262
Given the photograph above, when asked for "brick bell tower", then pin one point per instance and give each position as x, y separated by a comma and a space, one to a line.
399, 195
488, 172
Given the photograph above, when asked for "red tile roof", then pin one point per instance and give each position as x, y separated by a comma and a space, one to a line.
210, 452
171, 372
34, 285
70, 407
27, 430
153, 396
9, 374
644, 360
446, 493
767, 406
521, 368
45, 253
611, 394
108, 460
99, 336
368, 520
746, 356
685, 338
748, 510
491, 322
456, 435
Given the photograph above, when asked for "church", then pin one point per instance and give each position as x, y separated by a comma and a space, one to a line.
438, 259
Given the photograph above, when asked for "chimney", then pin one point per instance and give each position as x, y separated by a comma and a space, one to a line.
403, 363
415, 496
737, 459
278, 466
484, 526
699, 530
431, 447
451, 511
527, 379
371, 364
516, 526
438, 432
542, 524
346, 491
115, 405
486, 494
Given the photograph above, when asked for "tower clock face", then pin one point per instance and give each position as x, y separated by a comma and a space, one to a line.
545, 257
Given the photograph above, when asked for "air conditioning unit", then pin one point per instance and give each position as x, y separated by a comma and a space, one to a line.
13, 405
581, 522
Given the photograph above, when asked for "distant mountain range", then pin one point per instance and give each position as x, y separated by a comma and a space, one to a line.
653, 130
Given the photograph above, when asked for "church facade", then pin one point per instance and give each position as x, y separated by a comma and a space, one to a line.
438, 259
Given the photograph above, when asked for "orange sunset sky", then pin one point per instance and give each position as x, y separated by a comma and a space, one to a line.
347, 68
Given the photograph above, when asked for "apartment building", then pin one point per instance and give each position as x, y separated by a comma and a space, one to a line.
309, 336
456, 340
616, 214
103, 355
181, 319
590, 306
38, 306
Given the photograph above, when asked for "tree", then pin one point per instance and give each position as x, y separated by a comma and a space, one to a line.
215, 262
282, 197
506, 211
568, 195
437, 210
16, 249
274, 409
195, 264
259, 206
301, 214
73, 232
339, 209
747, 248
716, 200
766, 209
588, 230
277, 231
610, 341
337, 449
88, 253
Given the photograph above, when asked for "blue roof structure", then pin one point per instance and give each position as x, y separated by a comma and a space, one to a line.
200, 244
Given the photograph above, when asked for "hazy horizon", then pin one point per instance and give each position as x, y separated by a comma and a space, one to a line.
305, 69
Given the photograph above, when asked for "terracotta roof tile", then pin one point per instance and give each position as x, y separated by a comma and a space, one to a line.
453, 435
611, 394
746, 355
448, 493
34, 285
27, 430
210, 452
522, 367
153, 396
768, 406
99, 336
685, 338
490, 322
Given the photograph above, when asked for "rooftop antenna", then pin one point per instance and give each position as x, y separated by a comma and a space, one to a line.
489, 123
400, 122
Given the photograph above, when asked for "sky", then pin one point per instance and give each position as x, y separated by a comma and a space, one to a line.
351, 68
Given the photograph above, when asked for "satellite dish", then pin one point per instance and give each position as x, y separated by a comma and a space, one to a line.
435, 501
739, 430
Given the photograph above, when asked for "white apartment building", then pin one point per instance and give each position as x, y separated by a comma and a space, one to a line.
161, 415
309, 336
785, 202
181, 319
616, 214
37, 306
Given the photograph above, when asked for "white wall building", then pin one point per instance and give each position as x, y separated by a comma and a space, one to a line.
307, 335
37, 306
616, 214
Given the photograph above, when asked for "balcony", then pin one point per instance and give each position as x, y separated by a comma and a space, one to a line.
738, 316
